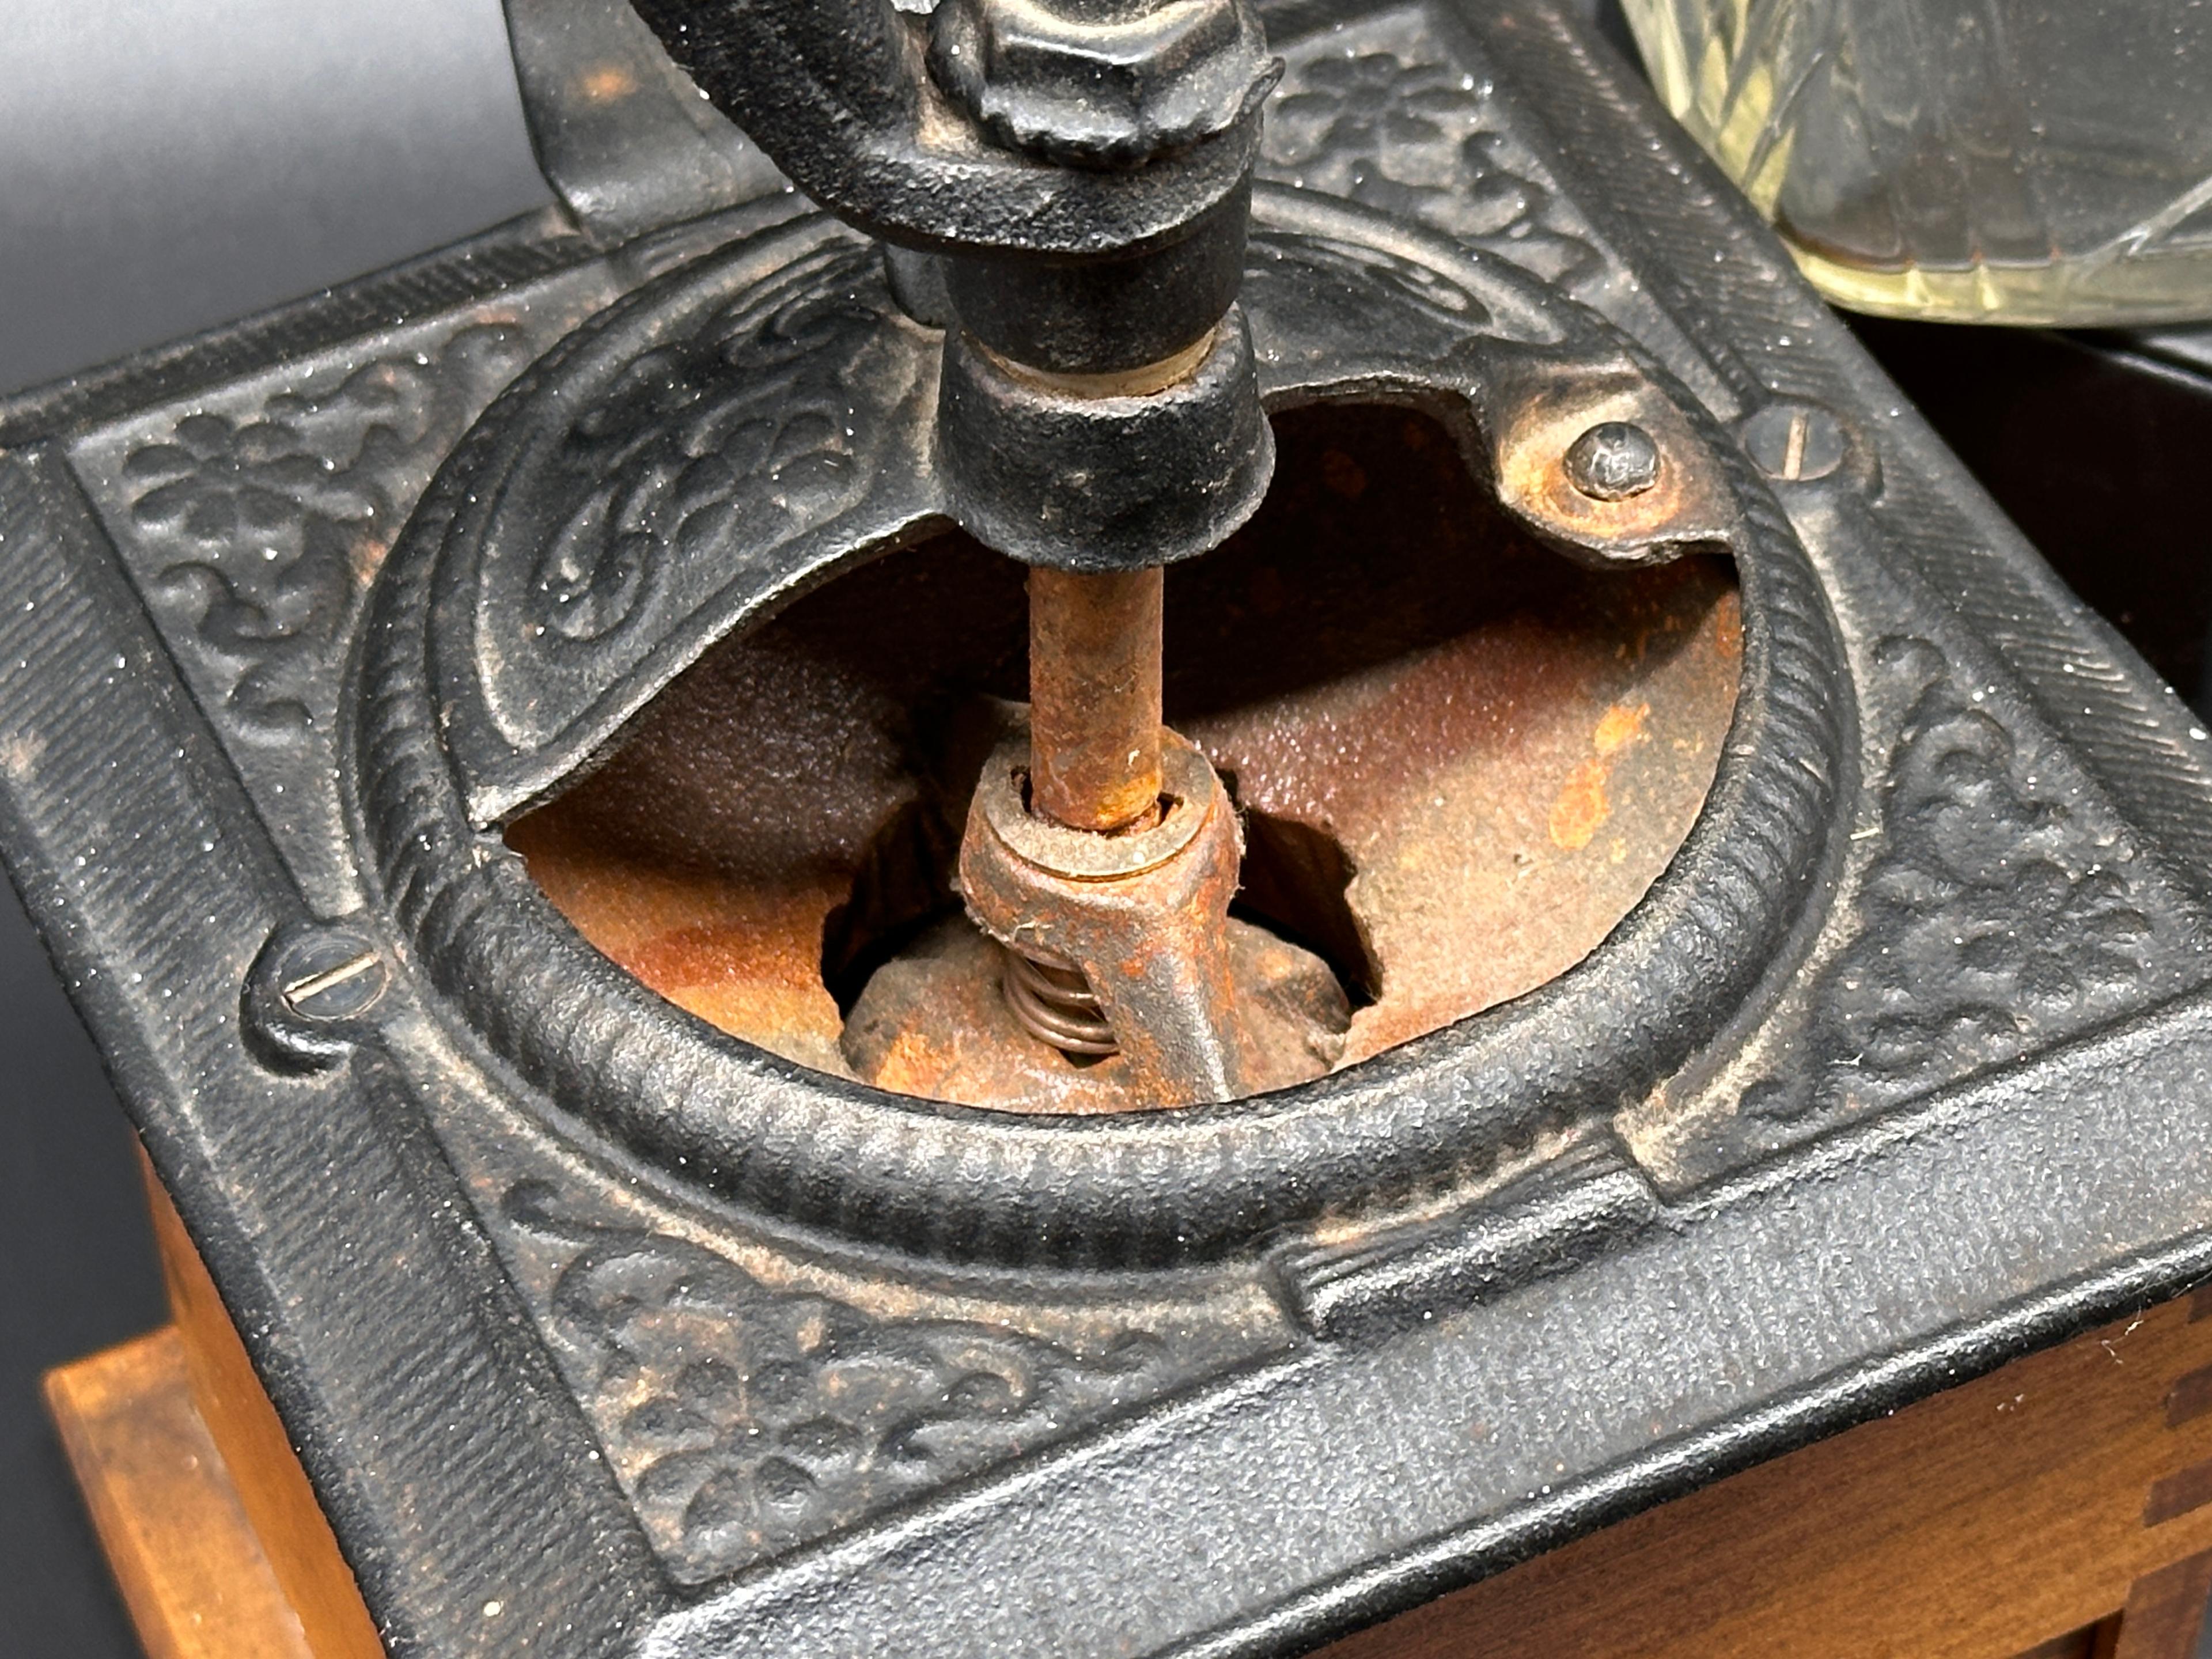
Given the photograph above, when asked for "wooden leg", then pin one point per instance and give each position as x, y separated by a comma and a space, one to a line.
207, 1518
191, 1567
272, 1487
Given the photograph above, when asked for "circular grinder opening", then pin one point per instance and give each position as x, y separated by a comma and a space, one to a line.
1458, 759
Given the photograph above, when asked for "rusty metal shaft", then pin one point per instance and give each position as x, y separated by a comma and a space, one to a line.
1095, 644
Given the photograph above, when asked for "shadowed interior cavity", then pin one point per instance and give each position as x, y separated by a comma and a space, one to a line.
1461, 759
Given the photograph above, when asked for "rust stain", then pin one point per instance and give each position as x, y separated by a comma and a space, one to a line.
1619, 727
607, 82
687, 959
1728, 626
1502, 751
367, 558
1581, 809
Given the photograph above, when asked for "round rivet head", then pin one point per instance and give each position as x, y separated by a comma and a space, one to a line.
1612, 461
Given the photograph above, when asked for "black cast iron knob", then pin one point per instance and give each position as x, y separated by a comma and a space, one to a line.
1102, 83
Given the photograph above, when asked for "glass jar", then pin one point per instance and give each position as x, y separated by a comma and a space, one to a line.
2043, 162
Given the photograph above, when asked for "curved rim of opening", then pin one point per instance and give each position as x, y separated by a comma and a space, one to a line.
1146, 1189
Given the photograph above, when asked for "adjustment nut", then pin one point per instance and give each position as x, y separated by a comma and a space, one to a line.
1101, 84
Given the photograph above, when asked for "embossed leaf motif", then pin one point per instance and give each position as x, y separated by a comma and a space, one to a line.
1996, 919
737, 438
1350, 279
270, 519
1390, 134
1409, 134
589, 582
744, 1418
220, 481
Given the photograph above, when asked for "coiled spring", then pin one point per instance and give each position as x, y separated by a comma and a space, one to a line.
1056, 1006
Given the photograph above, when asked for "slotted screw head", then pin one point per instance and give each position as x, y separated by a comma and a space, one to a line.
332, 976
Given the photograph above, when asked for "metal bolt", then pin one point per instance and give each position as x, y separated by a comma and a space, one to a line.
1612, 461
1795, 443
332, 976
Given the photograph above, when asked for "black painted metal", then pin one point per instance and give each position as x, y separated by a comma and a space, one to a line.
1098, 82
667, 1346
1103, 484
837, 95
524, 615
1081, 173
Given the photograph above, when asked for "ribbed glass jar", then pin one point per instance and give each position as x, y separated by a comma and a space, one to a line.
2043, 162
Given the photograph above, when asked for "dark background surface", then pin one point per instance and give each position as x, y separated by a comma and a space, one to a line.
166, 165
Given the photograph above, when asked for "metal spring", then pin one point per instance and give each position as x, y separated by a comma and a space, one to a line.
1056, 1006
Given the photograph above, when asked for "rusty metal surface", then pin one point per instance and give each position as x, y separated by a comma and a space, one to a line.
710, 854
1460, 761
1095, 644
1545, 410
1896, 1071
1142, 917
933, 1023
1503, 752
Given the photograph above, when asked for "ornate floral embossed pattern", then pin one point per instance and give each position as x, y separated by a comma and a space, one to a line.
740, 435
682, 447
1378, 112
744, 1418
263, 520
2006, 909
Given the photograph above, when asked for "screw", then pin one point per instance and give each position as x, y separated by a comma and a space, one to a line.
1612, 461
330, 976
1794, 443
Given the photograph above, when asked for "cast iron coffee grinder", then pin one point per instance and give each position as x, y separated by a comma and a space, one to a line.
1122, 855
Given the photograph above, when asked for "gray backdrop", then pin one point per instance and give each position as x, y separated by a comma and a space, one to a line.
168, 164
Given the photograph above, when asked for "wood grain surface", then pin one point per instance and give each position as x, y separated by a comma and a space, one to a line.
2017, 1513
192, 1572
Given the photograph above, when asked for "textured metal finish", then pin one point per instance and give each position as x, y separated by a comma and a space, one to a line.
672, 1346
1100, 84
1336, 316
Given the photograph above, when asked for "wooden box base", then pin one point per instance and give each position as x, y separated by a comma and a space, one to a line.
2060, 1508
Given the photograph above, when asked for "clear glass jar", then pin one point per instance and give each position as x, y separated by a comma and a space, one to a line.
2044, 161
